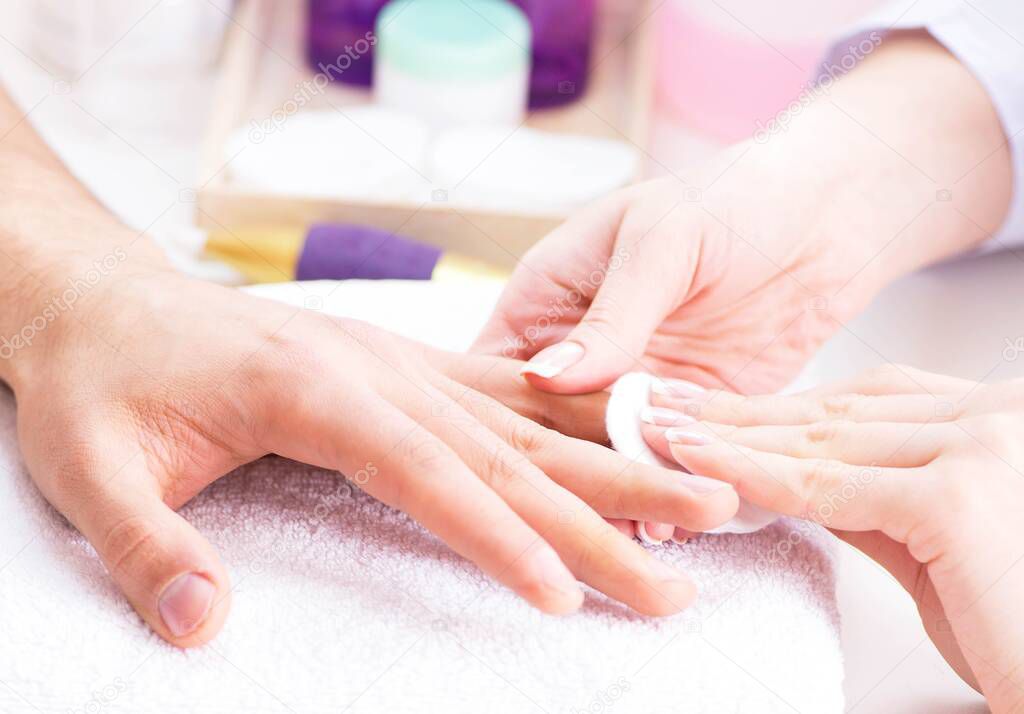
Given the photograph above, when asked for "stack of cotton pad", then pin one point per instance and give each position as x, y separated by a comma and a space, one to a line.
360, 153
529, 170
378, 155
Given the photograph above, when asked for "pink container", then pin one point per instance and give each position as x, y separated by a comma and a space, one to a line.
728, 68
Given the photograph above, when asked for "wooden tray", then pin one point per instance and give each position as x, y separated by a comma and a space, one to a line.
263, 63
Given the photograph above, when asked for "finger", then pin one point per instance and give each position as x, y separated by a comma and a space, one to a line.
894, 378
654, 533
862, 444
727, 408
826, 491
169, 572
581, 416
613, 485
648, 274
400, 463
550, 288
595, 551
622, 525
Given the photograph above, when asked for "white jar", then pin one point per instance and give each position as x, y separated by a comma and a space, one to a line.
454, 62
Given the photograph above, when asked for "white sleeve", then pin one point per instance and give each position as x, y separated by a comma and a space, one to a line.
987, 36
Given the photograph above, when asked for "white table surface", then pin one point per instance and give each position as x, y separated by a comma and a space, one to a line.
954, 319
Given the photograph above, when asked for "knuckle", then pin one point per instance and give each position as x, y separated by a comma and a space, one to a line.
839, 406
526, 436
424, 454
817, 478
128, 545
824, 432
887, 372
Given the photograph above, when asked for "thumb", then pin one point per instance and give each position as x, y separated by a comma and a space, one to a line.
645, 279
169, 572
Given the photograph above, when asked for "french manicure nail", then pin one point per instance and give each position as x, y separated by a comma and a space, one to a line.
185, 603
687, 437
681, 536
552, 361
644, 536
676, 388
661, 416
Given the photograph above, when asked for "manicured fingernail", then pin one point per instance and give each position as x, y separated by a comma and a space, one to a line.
644, 536
555, 575
681, 536
676, 388
660, 416
185, 603
687, 437
552, 361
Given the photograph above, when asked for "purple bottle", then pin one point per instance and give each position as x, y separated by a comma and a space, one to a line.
340, 39
340, 43
563, 31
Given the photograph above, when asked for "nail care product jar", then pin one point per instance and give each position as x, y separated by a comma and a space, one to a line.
340, 38
563, 32
454, 62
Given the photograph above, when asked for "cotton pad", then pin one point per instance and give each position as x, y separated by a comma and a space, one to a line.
630, 394
367, 153
529, 171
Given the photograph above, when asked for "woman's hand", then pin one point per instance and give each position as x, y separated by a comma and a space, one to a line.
154, 385
921, 472
733, 272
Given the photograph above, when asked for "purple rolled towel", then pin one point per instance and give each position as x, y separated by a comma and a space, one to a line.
337, 251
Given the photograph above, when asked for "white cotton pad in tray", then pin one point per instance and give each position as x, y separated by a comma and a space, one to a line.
364, 153
630, 394
529, 171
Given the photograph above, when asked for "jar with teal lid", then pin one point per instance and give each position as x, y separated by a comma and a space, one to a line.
454, 62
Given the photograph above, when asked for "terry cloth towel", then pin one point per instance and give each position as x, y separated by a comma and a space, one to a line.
341, 604
630, 394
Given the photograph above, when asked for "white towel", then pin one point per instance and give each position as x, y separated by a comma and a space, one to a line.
343, 605
630, 394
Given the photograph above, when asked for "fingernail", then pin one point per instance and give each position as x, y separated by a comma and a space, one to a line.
661, 416
185, 603
554, 573
681, 536
676, 388
687, 437
552, 361
644, 536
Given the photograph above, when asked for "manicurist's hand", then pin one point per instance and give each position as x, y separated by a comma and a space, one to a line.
921, 472
733, 272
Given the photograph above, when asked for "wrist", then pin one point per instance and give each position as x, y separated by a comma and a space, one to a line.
902, 177
55, 292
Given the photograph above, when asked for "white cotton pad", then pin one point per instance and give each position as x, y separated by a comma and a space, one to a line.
630, 394
529, 171
364, 153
